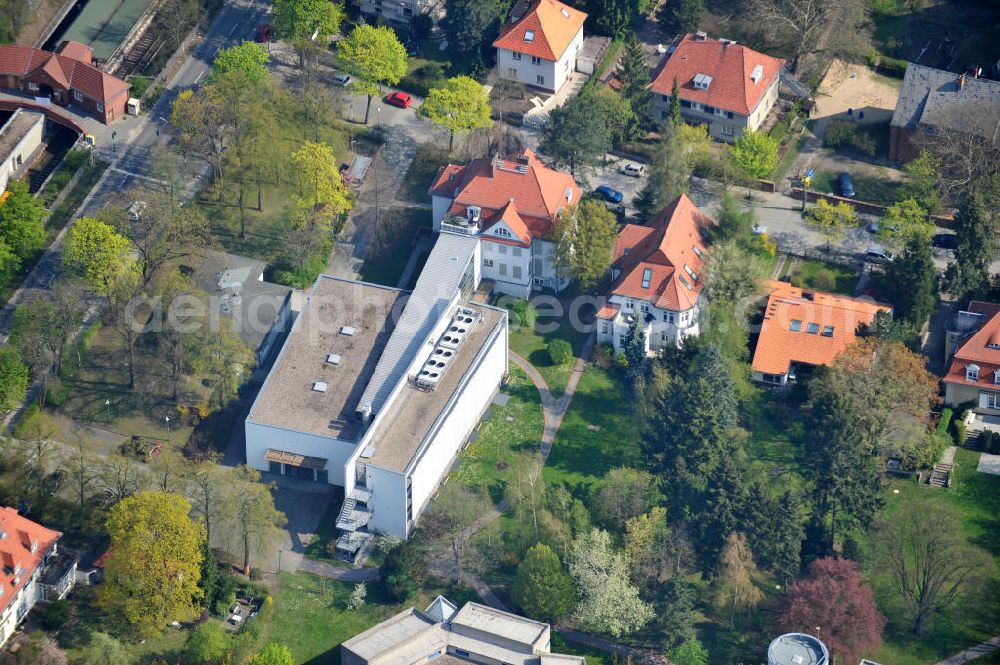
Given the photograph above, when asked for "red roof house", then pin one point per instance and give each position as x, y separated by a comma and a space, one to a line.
539, 45
514, 202
66, 77
973, 345
657, 276
721, 83
803, 328
24, 548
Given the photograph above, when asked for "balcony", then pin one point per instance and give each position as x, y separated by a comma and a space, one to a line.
460, 225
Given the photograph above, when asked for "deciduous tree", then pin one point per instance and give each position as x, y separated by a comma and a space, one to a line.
689, 652
248, 58
755, 154
22, 221
375, 57
102, 649
627, 493
249, 506
117, 479
461, 105
403, 571
99, 254
737, 591
467, 22
799, 22
206, 490
835, 597
580, 132
647, 545
609, 602
208, 643
542, 589
931, 564
967, 144
681, 16
585, 235
82, 474
13, 379
831, 221
922, 181
904, 220
155, 561
320, 193
301, 21
273, 654
227, 359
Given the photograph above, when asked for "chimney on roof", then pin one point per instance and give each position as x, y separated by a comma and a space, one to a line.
961, 81
700, 36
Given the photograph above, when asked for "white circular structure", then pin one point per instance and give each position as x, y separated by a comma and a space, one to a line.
797, 649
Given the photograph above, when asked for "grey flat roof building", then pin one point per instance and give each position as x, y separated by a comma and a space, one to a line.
475, 633
797, 649
932, 96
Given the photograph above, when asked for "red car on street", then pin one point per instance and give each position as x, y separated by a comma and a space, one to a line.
263, 34
400, 99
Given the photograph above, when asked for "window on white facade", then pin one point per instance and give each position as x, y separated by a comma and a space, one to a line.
514, 55
728, 131
502, 267
668, 317
516, 251
996, 377
605, 328
972, 372
629, 304
511, 72
535, 60
501, 248
501, 231
33, 86
539, 79
77, 95
695, 106
644, 307
488, 263
515, 272
720, 112
990, 400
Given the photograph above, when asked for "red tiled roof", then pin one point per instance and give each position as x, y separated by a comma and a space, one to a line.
729, 65
66, 70
493, 184
976, 350
554, 26
17, 536
667, 249
77, 51
778, 345
609, 311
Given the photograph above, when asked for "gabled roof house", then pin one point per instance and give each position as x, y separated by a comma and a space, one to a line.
725, 85
26, 550
511, 205
972, 349
657, 277
540, 43
803, 329
66, 77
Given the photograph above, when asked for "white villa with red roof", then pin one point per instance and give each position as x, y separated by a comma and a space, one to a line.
540, 43
657, 280
511, 205
972, 354
729, 87
27, 549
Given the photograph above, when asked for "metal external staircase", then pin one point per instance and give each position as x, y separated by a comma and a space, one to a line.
794, 84
353, 518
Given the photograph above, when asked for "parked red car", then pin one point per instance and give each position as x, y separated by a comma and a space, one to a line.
263, 34
400, 99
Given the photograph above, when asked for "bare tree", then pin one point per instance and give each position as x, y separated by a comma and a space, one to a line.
206, 490
170, 472
928, 559
82, 473
800, 22
967, 141
118, 478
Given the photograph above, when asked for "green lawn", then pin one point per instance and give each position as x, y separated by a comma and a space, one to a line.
501, 440
823, 276
532, 345
868, 188
774, 445
582, 455
977, 497
311, 616
386, 263
327, 531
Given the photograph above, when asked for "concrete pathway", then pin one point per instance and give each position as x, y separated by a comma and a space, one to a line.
989, 646
324, 569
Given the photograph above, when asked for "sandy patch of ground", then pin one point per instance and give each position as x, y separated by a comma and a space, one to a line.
849, 86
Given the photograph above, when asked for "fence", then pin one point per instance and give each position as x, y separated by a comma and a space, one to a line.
941, 219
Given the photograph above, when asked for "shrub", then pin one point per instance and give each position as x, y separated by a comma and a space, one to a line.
960, 432
57, 392
842, 135
24, 423
524, 314
824, 280
988, 442
560, 351
54, 615
944, 420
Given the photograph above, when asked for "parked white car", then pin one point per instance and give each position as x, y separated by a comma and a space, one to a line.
634, 170
136, 209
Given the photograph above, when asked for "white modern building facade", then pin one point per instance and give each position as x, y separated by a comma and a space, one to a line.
510, 206
657, 279
20, 143
401, 12
540, 44
376, 390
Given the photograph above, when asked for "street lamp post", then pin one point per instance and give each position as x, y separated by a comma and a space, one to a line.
114, 146
107, 408
167, 418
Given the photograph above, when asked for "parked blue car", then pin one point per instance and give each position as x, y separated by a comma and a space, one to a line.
846, 185
609, 194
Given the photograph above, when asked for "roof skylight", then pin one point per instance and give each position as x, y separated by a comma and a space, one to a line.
529, 36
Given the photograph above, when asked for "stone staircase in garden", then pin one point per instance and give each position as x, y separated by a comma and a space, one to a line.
941, 474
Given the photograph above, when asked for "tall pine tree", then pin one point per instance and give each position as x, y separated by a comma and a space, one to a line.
911, 281
635, 77
976, 226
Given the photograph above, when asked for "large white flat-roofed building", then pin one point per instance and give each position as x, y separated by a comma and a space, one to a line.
476, 633
376, 390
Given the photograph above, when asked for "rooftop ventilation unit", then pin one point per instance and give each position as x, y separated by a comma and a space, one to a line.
333, 358
447, 346
757, 74
347, 330
319, 386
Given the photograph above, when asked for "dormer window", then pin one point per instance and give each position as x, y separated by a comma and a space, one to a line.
702, 81
972, 372
996, 377
529, 36
34, 546
501, 231
691, 273
17, 568
627, 250
993, 345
